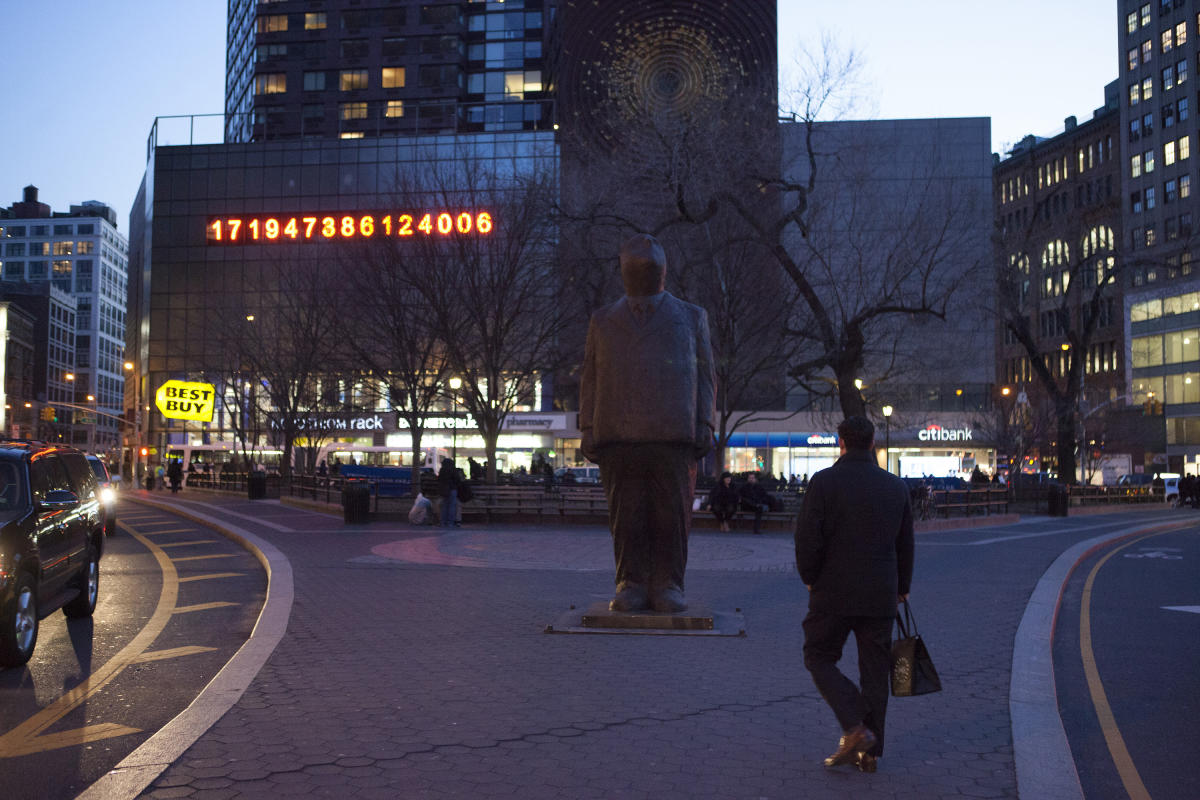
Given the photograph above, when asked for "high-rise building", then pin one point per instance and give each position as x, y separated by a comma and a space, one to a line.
1158, 52
352, 69
82, 255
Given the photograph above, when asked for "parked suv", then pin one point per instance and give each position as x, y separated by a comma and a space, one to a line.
51, 538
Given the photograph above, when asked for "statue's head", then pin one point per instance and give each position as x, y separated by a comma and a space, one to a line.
643, 266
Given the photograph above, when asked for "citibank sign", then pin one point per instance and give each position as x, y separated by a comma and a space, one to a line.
936, 433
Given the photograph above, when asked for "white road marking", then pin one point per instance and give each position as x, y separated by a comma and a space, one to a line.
1189, 609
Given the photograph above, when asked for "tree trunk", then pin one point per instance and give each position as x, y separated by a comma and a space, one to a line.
849, 397
490, 434
415, 480
1065, 419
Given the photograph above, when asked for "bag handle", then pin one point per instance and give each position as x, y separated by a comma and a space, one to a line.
905, 622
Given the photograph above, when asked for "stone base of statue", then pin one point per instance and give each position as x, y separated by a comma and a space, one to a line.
696, 621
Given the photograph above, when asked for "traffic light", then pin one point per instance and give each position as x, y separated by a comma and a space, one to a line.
145, 451
49, 414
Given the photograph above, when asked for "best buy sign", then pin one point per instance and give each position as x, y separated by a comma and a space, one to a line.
186, 400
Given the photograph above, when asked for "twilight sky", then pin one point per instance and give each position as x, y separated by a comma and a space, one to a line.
86, 78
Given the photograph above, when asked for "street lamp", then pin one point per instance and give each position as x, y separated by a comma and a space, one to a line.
455, 385
92, 430
136, 444
887, 437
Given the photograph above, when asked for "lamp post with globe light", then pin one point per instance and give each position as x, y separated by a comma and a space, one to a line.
887, 437
455, 385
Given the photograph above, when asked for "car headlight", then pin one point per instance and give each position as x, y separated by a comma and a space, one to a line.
108, 495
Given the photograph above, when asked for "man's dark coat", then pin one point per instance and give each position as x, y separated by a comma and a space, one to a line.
854, 538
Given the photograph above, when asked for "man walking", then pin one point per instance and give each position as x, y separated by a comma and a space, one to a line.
854, 552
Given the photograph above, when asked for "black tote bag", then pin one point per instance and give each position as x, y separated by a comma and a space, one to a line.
913, 672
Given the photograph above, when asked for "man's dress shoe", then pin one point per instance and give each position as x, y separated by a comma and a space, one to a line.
630, 597
857, 740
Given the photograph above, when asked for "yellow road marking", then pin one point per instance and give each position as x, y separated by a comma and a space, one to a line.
168, 530
185, 544
198, 558
211, 576
29, 736
71, 738
1108, 723
174, 652
204, 607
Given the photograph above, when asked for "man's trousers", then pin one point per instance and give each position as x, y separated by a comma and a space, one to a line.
824, 638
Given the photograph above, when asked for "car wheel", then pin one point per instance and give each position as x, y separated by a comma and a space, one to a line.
89, 591
20, 630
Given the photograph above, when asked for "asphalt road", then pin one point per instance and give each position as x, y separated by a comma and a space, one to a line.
176, 601
1126, 664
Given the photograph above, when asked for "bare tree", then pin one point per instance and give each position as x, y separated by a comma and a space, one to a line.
493, 297
286, 342
394, 336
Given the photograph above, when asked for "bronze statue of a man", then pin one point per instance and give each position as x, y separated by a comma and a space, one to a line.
646, 412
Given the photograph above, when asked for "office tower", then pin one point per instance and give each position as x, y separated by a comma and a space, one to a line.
82, 255
1157, 43
355, 68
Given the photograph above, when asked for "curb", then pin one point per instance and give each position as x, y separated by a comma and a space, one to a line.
141, 767
1041, 752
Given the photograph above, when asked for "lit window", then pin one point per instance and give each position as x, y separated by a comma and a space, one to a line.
1135, 166
1184, 148
270, 83
1135, 94
1147, 88
1185, 186
1181, 34
1147, 51
533, 80
314, 81
1145, 13
273, 23
351, 135
1181, 71
1168, 154
352, 80
1131, 22
395, 108
1168, 39
1151, 237
393, 77
1148, 161
314, 21
353, 110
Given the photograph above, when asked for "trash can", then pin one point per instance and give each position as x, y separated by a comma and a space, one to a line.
1057, 500
256, 485
356, 501
149, 482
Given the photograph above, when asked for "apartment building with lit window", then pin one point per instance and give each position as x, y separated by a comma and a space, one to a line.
81, 255
357, 68
1059, 248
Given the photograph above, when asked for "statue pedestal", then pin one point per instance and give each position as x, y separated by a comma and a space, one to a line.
696, 621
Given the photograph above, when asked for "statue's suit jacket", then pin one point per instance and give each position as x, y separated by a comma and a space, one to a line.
649, 381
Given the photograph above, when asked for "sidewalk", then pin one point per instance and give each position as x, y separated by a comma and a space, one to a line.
415, 664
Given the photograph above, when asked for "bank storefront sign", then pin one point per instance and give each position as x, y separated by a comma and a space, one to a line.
937, 433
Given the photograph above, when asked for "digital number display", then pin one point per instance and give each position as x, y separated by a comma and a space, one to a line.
261, 229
